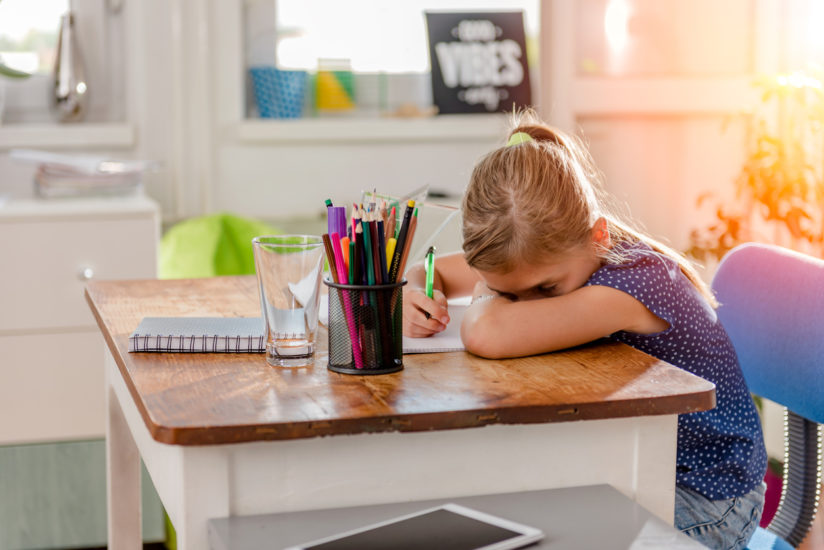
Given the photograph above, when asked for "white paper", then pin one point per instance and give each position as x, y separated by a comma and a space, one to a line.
447, 340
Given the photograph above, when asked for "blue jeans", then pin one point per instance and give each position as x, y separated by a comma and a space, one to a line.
719, 524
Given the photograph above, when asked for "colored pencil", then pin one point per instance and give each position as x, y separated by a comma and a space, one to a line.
376, 254
330, 256
347, 303
390, 247
382, 250
343, 278
367, 245
344, 244
356, 216
390, 226
399, 247
352, 261
413, 225
359, 253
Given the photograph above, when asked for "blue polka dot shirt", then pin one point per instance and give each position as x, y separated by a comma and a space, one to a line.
721, 451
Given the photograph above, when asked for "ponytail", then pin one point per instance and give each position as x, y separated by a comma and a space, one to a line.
543, 195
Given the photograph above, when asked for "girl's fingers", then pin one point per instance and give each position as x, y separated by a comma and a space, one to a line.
415, 307
417, 325
419, 332
435, 307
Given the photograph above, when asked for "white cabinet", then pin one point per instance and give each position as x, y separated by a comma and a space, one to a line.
52, 494
51, 352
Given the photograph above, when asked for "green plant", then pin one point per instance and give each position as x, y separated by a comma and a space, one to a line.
5, 70
780, 188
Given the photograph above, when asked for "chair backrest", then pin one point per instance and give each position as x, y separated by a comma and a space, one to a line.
772, 306
210, 246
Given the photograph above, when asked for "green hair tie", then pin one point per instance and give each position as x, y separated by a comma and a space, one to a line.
519, 138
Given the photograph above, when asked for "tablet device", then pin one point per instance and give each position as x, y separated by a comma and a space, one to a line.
446, 527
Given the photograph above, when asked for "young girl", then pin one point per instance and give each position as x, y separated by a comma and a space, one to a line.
548, 268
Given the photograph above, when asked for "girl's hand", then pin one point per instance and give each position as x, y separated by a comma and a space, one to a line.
415, 307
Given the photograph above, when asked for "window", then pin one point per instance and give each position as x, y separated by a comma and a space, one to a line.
383, 43
28, 41
655, 38
28, 33
375, 35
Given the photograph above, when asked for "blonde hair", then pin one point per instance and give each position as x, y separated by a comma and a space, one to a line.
541, 197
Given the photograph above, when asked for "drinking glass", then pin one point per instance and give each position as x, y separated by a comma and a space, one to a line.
289, 271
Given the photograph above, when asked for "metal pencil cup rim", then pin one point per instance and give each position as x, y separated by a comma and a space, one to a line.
384, 305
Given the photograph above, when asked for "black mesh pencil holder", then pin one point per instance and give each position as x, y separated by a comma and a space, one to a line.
365, 328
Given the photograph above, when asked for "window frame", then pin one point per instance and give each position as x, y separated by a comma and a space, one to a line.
102, 48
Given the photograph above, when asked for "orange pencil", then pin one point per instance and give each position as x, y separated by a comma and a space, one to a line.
344, 242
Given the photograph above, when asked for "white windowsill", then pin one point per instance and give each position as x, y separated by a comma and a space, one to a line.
474, 127
67, 136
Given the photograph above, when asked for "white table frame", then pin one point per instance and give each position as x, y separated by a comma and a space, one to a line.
636, 455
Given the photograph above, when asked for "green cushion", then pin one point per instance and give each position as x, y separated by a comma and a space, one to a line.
209, 246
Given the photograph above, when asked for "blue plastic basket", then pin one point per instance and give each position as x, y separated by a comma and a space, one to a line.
279, 93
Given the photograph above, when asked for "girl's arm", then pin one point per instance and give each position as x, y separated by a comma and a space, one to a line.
497, 327
453, 278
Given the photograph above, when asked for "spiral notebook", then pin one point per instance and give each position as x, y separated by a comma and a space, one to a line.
248, 335
199, 335
446, 341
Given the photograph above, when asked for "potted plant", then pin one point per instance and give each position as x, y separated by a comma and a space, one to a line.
5, 70
779, 190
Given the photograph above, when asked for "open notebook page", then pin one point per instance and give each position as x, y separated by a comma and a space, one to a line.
448, 340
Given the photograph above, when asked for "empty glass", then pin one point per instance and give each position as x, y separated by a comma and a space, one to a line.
289, 271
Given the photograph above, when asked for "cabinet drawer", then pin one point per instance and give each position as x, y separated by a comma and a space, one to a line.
42, 281
52, 387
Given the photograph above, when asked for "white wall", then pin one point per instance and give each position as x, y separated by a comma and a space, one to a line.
657, 167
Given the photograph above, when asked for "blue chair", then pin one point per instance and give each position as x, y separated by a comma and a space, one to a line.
772, 305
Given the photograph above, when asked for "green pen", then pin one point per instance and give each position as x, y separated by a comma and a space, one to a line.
429, 266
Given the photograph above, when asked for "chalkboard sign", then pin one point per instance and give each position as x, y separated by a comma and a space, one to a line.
478, 61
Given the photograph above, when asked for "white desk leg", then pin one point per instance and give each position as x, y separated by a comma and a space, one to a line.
122, 479
204, 494
652, 479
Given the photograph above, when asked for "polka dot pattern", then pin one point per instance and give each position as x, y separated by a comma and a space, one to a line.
721, 451
279, 94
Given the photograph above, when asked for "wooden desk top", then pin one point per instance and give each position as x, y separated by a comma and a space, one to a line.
204, 399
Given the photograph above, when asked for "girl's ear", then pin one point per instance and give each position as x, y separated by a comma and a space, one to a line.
600, 233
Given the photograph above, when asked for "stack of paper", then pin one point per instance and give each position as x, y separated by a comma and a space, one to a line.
60, 175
